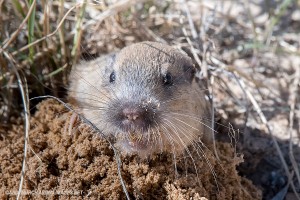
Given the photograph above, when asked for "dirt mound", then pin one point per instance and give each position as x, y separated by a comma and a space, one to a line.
82, 165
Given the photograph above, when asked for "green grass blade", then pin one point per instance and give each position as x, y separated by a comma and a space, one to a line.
31, 22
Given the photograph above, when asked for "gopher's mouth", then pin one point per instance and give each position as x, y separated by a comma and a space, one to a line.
137, 141
134, 128
134, 142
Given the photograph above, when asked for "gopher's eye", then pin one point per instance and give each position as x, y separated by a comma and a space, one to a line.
112, 77
168, 79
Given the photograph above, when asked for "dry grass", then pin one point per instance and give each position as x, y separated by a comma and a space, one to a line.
248, 50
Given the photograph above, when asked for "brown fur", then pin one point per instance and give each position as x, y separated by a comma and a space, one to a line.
181, 111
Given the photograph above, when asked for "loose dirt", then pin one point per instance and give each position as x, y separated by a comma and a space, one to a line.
82, 165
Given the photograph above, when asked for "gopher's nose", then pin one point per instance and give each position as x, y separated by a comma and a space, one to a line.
134, 117
131, 114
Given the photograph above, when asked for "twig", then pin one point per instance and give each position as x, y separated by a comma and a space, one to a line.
15, 34
78, 32
117, 7
24, 94
55, 71
294, 92
190, 20
193, 50
62, 32
149, 32
262, 117
47, 36
274, 20
231, 68
46, 25
253, 25
265, 122
35, 42
112, 10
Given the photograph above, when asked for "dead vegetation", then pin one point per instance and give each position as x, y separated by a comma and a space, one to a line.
248, 50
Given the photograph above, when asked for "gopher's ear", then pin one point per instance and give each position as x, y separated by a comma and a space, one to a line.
189, 71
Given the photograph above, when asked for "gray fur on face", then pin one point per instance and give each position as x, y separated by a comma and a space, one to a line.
145, 96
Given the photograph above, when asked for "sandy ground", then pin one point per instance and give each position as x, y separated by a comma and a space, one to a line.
82, 165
